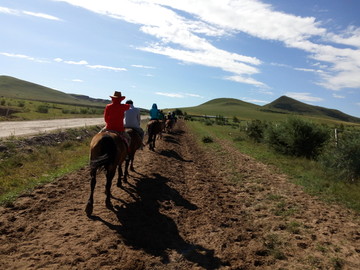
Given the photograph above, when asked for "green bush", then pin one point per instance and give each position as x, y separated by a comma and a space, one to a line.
255, 130
207, 139
344, 156
297, 137
42, 109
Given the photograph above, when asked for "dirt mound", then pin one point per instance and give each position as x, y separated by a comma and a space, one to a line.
179, 211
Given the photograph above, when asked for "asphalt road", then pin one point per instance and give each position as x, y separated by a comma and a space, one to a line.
23, 128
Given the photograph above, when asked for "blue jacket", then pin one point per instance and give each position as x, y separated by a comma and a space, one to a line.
154, 112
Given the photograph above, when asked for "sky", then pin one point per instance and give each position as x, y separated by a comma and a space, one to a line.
182, 53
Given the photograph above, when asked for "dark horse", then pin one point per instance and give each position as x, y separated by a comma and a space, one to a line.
169, 124
136, 143
107, 150
154, 127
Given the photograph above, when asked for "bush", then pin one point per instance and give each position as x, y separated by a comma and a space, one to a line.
344, 157
297, 137
255, 130
42, 109
207, 139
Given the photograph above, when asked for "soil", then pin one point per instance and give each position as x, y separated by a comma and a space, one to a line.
181, 209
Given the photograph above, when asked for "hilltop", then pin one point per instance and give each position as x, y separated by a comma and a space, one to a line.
277, 110
289, 105
11, 87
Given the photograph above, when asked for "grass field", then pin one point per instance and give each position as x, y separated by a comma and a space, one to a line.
307, 173
20, 109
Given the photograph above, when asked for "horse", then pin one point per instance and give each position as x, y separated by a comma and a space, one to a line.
154, 127
169, 124
107, 151
135, 144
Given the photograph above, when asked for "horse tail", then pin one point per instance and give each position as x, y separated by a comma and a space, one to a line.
107, 153
150, 128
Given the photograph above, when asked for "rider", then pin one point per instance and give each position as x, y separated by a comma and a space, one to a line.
114, 115
154, 112
132, 119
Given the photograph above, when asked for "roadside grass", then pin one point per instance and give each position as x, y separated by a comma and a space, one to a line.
23, 169
307, 173
38, 110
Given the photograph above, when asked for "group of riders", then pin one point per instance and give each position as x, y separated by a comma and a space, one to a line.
119, 116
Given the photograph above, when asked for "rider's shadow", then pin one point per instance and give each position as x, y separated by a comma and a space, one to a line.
144, 227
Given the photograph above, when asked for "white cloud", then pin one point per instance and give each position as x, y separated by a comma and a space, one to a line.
29, 13
85, 63
42, 15
255, 100
81, 62
303, 96
22, 56
184, 29
106, 67
172, 95
77, 80
309, 70
142, 66
193, 95
337, 96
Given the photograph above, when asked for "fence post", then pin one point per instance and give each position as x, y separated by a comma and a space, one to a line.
336, 136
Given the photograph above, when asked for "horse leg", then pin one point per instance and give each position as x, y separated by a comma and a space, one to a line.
120, 174
132, 163
89, 206
110, 173
127, 162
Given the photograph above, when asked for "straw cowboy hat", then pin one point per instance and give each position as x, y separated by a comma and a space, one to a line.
118, 95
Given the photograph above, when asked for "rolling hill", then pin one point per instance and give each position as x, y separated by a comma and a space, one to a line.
277, 110
15, 88
288, 105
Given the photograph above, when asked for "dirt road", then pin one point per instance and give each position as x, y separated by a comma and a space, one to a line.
22, 128
180, 210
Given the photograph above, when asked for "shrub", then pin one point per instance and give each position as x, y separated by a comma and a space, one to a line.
21, 103
207, 139
255, 130
220, 120
42, 109
297, 137
2, 102
344, 157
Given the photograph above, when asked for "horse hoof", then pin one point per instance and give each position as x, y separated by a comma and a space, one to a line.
109, 204
89, 209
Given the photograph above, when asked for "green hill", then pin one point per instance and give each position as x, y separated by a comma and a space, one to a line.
277, 110
15, 88
288, 105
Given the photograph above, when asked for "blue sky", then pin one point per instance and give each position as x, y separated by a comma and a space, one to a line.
180, 53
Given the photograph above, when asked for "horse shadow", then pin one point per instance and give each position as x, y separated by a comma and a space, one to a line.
144, 227
173, 154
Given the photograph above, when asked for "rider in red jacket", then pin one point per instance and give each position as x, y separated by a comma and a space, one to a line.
114, 113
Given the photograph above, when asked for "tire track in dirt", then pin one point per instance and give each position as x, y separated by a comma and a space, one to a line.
179, 211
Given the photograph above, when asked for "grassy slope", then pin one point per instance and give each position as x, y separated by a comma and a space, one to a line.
14, 88
307, 173
289, 105
229, 107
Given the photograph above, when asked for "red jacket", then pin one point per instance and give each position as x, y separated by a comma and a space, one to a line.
114, 116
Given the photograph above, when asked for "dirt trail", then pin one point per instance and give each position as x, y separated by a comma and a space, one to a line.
179, 211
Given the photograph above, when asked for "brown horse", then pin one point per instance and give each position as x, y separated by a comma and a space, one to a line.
154, 127
108, 151
169, 124
136, 143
